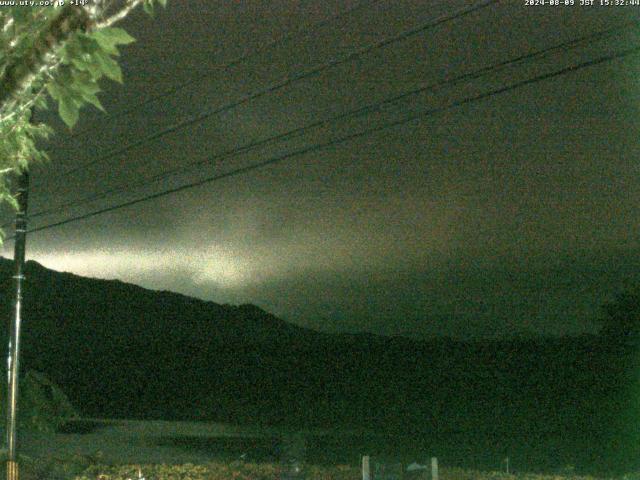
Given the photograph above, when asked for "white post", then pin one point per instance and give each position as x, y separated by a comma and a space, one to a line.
366, 469
507, 462
434, 468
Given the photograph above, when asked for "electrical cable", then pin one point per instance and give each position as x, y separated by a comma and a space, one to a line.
275, 87
341, 140
350, 114
308, 29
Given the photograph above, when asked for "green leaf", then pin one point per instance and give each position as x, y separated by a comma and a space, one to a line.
41, 102
84, 82
68, 110
108, 66
12, 201
80, 64
114, 36
87, 88
64, 78
87, 64
147, 6
93, 100
109, 38
54, 90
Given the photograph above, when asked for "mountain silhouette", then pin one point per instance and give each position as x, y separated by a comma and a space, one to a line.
119, 350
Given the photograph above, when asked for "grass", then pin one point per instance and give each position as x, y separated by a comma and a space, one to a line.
210, 471
269, 471
91, 468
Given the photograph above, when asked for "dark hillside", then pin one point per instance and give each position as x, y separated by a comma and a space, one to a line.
119, 350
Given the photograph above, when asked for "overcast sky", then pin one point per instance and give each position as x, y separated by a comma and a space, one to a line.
516, 214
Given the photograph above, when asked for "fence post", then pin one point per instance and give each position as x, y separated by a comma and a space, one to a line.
366, 468
434, 468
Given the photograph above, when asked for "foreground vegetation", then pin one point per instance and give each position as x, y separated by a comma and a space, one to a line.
92, 468
79, 468
264, 471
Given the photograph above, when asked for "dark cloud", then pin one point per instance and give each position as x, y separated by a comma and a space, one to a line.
514, 214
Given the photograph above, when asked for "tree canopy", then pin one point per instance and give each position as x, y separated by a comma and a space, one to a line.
59, 52
621, 320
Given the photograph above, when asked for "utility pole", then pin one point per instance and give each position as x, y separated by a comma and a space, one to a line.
14, 327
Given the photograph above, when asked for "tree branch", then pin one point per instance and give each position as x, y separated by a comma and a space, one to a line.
19, 74
120, 14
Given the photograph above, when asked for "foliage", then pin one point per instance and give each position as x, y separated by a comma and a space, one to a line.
51, 467
42, 405
267, 471
212, 471
621, 320
88, 468
69, 73
85, 59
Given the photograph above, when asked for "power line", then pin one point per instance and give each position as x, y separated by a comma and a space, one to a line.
341, 140
478, 73
284, 83
308, 29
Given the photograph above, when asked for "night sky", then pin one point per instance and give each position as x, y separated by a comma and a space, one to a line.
514, 215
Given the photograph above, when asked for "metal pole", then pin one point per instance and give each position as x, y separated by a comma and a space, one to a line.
14, 327
434, 468
366, 468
